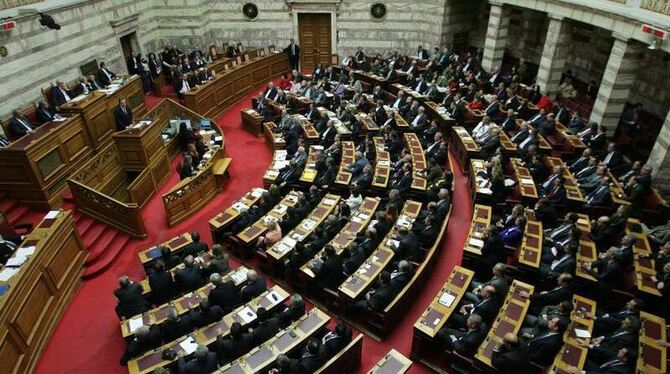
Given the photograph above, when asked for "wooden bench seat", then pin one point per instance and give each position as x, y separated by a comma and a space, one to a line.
220, 169
348, 360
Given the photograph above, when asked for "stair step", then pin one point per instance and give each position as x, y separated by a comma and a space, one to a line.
83, 223
16, 213
99, 247
6, 205
106, 259
91, 235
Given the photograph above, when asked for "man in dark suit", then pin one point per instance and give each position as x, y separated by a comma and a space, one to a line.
376, 299
235, 345
464, 343
607, 323
161, 283
408, 244
605, 348
224, 294
105, 75
19, 125
330, 273
543, 348
59, 94
487, 308
267, 326
292, 312
421, 53
380, 116
203, 361
509, 122
293, 51
123, 115
334, 341
613, 159
610, 272
130, 301
270, 92
255, 286
175, 326
313, 356
194, 248
188, 278
144, 339
565, 263
43, 113
563, 291
133, 64
624, 363
400, 101
401, 276
205, 314
510, 357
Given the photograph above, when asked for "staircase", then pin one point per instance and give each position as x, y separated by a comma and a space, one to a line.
18, 214
103, 242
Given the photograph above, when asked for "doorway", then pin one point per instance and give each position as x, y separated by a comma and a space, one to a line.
315, 39
129, 45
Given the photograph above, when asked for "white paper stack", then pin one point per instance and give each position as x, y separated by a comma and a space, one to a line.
52, 214
16, 261
447, 299
247, 315
7, 273
188, 345
135, 323
25, 251
239, 276
476, 242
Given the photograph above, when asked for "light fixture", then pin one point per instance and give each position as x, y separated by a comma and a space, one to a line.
655, 42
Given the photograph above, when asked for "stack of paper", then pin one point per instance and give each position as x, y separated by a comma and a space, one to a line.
52, 214
16, 261
476, 242
447, 299
239, 276
25, 251
135, 323
247, 315
238, 206
189, 345
7, 273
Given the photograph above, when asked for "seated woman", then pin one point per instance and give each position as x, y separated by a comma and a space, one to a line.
271, 236
284, 82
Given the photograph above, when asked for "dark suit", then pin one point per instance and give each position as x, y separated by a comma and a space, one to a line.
542, 349
227, 296
466, 343
514, 361
551, 297
265, 330
193, 249
200, 318
173, 330
136, 347
188, 279
123, 117
293, 51
131, 302
253, 289
20, 126
231, 349
44, 115
196, 366
162, 287
105, 79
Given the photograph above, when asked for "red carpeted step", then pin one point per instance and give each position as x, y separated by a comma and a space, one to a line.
92, 233
18, 212
7, 204
83, 223
112, 250
99, 246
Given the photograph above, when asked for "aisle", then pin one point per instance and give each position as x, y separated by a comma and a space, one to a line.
88, 338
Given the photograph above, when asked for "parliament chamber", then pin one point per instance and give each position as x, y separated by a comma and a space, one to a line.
334, 186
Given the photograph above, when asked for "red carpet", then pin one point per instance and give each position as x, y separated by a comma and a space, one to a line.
88, 338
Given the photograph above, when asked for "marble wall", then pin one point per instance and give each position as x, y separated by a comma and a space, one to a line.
652, 83
90, 30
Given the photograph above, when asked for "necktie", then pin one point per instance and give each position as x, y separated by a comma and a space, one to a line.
67, 97
608, 158
3, 141
21, 121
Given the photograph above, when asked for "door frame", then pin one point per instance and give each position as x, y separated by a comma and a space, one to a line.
333, 27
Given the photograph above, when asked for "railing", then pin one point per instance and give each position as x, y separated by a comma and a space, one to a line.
125, 217
658, 6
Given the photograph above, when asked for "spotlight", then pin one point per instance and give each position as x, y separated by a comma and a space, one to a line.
48, 22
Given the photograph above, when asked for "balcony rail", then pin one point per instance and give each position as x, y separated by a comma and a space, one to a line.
658, 6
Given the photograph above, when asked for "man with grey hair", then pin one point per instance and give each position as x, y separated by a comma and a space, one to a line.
203, 361
255, 286
175, 326
465, 343
292, 312
224, 294
188, 278
144, 339
130, 301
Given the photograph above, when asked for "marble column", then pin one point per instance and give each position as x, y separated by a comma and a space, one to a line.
659, 158
496, 37
617, 82
554, 53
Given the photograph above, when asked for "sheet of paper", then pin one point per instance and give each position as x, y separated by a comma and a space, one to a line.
447, 299
25, 251
582, 334
257, 192
273, 297
238, 206
239, 276
247, 315
476, 242
16, 261
7, 273
392, 243
52, 214
527, 181
135, 323
189, 345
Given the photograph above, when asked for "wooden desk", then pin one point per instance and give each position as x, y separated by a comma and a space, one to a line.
230, 86
348, 360
309, 172
175, 244
587, 248
510, 317
576, 144
531, 244
285, 246
392, 363
36, 165
225, 218
357, 223
652, 357
525, 183
481, 219
617, 193
273, 139
508, 146
252, 121
463, 146
207, 335
573, 353
279, 161
439, 114
367, 273
252, 232
261, 358
308, 130
205, 257
182, 304
442, 306
572, 190
644, 266
37, 295
478, 192
343, 177
369, 125
419, 164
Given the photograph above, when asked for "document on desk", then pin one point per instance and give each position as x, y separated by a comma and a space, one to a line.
582, 334
7, 273
16, 261
447, 299
52, 214
188, 345
239, 276
25, 251
476, 242
247, 315
135, 323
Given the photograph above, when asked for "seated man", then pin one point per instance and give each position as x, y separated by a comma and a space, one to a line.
512, 235
255, 286
205, 314
464, 343
145, 339
623, 363
377, 298
535, 325
130, 301
543, 348
175, 326
224, 294
292, 312
189, 278
607, 323
235, 345
267, 327
313, 356
203, 361
499, 281
19, 125
605, 348
487, 308
334, 341
194, 248
562, 292
510, 357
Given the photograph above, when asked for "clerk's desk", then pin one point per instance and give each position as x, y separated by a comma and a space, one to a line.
231, 85
36, 166
39, 292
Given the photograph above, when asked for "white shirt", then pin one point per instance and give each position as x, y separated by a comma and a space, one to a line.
524, 142
67, 97
481, 129
184, 87
396, 105
416, 119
